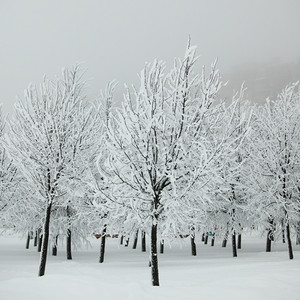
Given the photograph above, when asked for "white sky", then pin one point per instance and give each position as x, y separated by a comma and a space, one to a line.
115, 37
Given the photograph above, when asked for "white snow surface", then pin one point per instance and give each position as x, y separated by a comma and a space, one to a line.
125, 275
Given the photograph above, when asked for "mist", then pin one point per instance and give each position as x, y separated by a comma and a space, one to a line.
254, 41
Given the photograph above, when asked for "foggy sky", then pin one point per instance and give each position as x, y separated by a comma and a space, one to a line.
115, 37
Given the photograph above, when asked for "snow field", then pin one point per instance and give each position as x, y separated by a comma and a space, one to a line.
212, 274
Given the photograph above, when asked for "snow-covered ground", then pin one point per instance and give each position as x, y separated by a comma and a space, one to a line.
212, 274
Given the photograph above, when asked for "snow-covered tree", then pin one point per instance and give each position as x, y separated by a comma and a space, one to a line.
275, 158
47, 132
159, 150
9, 182
231, 195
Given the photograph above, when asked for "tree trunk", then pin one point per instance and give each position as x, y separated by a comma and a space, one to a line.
28, 240
102, 246
193, 245
121, 239
35, 239
135, 239
69, 234
239, 246
154, 259
270, 236
269, 241
69, 244
203, 237
234, 250
143, 241
213, 240
282, 232
44, 252
40, 241
224, 244
127, 242
288, 236
283, 236
54, 248
162, 246
206, 238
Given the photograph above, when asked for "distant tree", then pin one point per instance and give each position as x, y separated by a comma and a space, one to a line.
274, 156
229, 209
9, 182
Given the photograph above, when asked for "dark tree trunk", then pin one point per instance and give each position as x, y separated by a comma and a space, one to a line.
28, 240
193, 245
269, 242
127, 242
206, 238
35, 239
121, 239
282, 233
69, 244
239, 246
203, 237
162, 247
288, 236
102, 246
45, 241
69, 234
54, 248
234, 250
224, 244
283, 236
135, 239
213, 240
143, 241
40, 241
270, 236
154, 259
